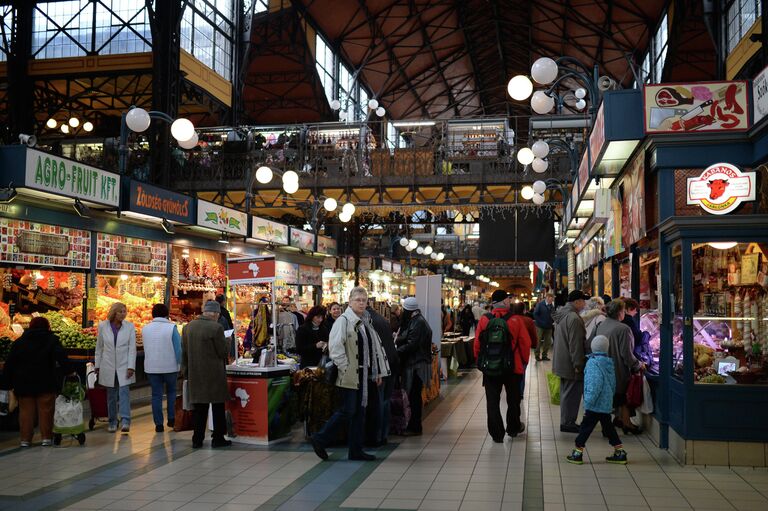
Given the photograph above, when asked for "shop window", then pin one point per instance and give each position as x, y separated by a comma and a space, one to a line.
206, 32
677, 313
730, 304
739, 18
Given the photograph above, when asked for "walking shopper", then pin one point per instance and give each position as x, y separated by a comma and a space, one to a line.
31, 373
203, 364
599, 388
466, 320
115, 364
624, 362
568, 364
414, 345
162, 358
502, 350
356, 350
384, 392
542, 315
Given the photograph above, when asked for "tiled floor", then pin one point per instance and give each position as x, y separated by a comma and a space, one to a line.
454, 467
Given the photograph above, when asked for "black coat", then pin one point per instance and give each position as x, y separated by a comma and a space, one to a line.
228, 318
414, 344
36, 364
637, 335
306, 343
382, 327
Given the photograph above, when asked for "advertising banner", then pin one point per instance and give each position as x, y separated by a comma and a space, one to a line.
721, 188
241, 270
33, 243
633, 201
61, 176
692, 107
269, 231
287, 272
221, 218
158, 202
121, 253
326, 245
310, 275
302, 240
259, 407
597, 137
612, 244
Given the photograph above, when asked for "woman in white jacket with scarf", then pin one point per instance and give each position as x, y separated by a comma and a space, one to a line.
356, 349
116, 363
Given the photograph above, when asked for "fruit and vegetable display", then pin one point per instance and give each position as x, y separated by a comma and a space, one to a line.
70, 333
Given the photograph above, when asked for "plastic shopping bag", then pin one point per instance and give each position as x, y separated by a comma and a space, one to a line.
647, 406
553, 381
90, 375
68, 415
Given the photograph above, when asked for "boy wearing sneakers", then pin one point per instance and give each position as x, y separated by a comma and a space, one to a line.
599, 387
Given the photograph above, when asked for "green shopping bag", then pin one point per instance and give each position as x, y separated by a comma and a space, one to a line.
553, 381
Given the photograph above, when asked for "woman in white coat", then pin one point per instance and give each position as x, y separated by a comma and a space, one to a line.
116, 364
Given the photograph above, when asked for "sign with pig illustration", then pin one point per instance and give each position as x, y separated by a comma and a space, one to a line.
696, 107
721, 188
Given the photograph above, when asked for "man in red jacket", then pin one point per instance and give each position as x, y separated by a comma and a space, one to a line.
521, 345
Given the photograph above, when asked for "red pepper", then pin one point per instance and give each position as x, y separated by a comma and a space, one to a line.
730, 99
729, 121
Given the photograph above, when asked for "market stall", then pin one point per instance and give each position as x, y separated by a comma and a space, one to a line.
197, 275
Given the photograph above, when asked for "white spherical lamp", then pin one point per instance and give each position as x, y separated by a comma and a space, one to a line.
538, 199
527, 192
403, 242
373, 104
342, 116
539, 186
419, 250
580, 93
335, 104
428, 250
460, 266
580, 104
471, 272
433, 256
290, 177
348, 208
189, 144
182, 129
380, 111
88, 126
64, 128
455, 266
344, 217
290, 186
413, 244
525, 156
539, 165
74, 122
541, 103
137, 119
544, 70
264, 174
540, 149
52, 123
440, 256
409, 248
520, 88
330, 204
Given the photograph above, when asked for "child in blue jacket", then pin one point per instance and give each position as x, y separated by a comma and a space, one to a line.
599, 387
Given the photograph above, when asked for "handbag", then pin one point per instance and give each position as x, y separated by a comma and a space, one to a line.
330, 370
553, 382
635, 390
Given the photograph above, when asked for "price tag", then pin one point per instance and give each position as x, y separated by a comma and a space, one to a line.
93, 298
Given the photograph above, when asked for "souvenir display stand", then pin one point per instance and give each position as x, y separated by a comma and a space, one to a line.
259, 386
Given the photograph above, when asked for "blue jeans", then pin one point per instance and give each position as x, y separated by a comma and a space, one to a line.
350, 410
158, 381
384, 394
124, 397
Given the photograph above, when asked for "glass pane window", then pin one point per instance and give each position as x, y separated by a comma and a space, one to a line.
363, 110
122, 28
206, 32
730, 320
261, 6
660, 41
677, 312
6, 27
62, 29
740, 16
324, 65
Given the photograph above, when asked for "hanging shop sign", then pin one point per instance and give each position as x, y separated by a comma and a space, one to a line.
397, 268
326, 245
61, 176
253, 269
158, 202
33, 243
302, 240
760, 96
583, 179
597, 137
221, 218
269, 231
310, 275
386, 265
121, 253
287, 272
612, 244
633, 201
721, 188
695, 107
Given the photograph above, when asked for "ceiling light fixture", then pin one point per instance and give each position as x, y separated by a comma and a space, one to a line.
167, 226
80, 208
224, 238
8, 195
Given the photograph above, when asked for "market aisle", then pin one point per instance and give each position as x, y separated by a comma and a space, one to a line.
455, 466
